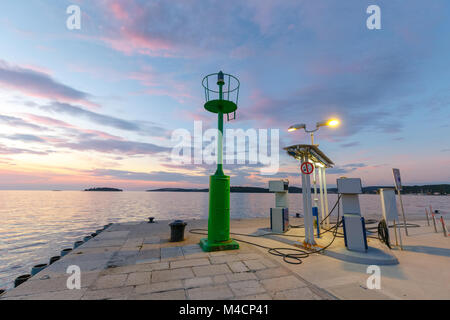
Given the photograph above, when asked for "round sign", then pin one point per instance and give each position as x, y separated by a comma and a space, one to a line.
307, 167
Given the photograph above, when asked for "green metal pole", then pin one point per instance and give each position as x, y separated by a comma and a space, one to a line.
219, 199
219, 171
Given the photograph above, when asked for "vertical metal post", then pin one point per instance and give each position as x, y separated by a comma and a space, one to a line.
444, 229
426, 214
322, 209
309, 207
403, 211
395, 231
305, 204
220, 137
316, 200
326, 196
399, 234
434, 222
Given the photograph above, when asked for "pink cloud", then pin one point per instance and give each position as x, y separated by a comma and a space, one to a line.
130, 42
40, 84
119, 10
163, 84
58, 123
48, 121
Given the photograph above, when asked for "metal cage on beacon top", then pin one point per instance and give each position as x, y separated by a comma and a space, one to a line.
223, 99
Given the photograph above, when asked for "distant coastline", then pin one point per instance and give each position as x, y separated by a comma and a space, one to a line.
103, 190
439, 189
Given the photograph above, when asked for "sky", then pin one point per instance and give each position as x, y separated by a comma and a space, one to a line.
97, 106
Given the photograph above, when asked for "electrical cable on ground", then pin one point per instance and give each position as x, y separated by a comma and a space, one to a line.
291, 258
299, 254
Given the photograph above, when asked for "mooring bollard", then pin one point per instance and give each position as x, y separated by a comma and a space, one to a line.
54, 259
21, 279
444, 229
151, 219
38, 268
65, 251
77, 244
177, 230
87, 238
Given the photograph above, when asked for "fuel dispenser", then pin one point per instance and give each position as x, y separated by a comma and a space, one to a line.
279, 216
354, 224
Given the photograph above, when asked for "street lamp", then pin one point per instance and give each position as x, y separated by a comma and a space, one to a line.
327, 123
297, 127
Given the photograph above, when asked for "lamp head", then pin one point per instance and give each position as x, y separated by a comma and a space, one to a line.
329, 123
296, 127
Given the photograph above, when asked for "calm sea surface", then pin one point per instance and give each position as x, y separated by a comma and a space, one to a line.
35, 225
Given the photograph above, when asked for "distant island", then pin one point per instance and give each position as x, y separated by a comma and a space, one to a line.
104, 189
439, 189
232, 189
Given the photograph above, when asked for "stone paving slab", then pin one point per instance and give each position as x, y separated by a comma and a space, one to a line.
172, 274
159, 287
238, 266
217, 292
189, 263
246, 288
198, 282
171, 254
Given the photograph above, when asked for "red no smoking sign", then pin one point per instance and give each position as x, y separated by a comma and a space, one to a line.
307, 167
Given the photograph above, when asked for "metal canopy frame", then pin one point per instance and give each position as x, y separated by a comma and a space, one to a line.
312, 152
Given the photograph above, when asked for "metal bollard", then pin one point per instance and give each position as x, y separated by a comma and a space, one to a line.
54, 259
77, 244
151, 219
177, 231
65, 251
21, 279
38, 268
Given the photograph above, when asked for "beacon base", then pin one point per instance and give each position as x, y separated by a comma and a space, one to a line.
218, 246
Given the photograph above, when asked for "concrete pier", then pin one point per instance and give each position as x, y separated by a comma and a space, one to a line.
136, 261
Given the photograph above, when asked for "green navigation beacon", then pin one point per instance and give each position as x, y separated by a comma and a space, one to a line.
222, 101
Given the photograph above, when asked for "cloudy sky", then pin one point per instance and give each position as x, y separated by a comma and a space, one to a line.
97, 106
